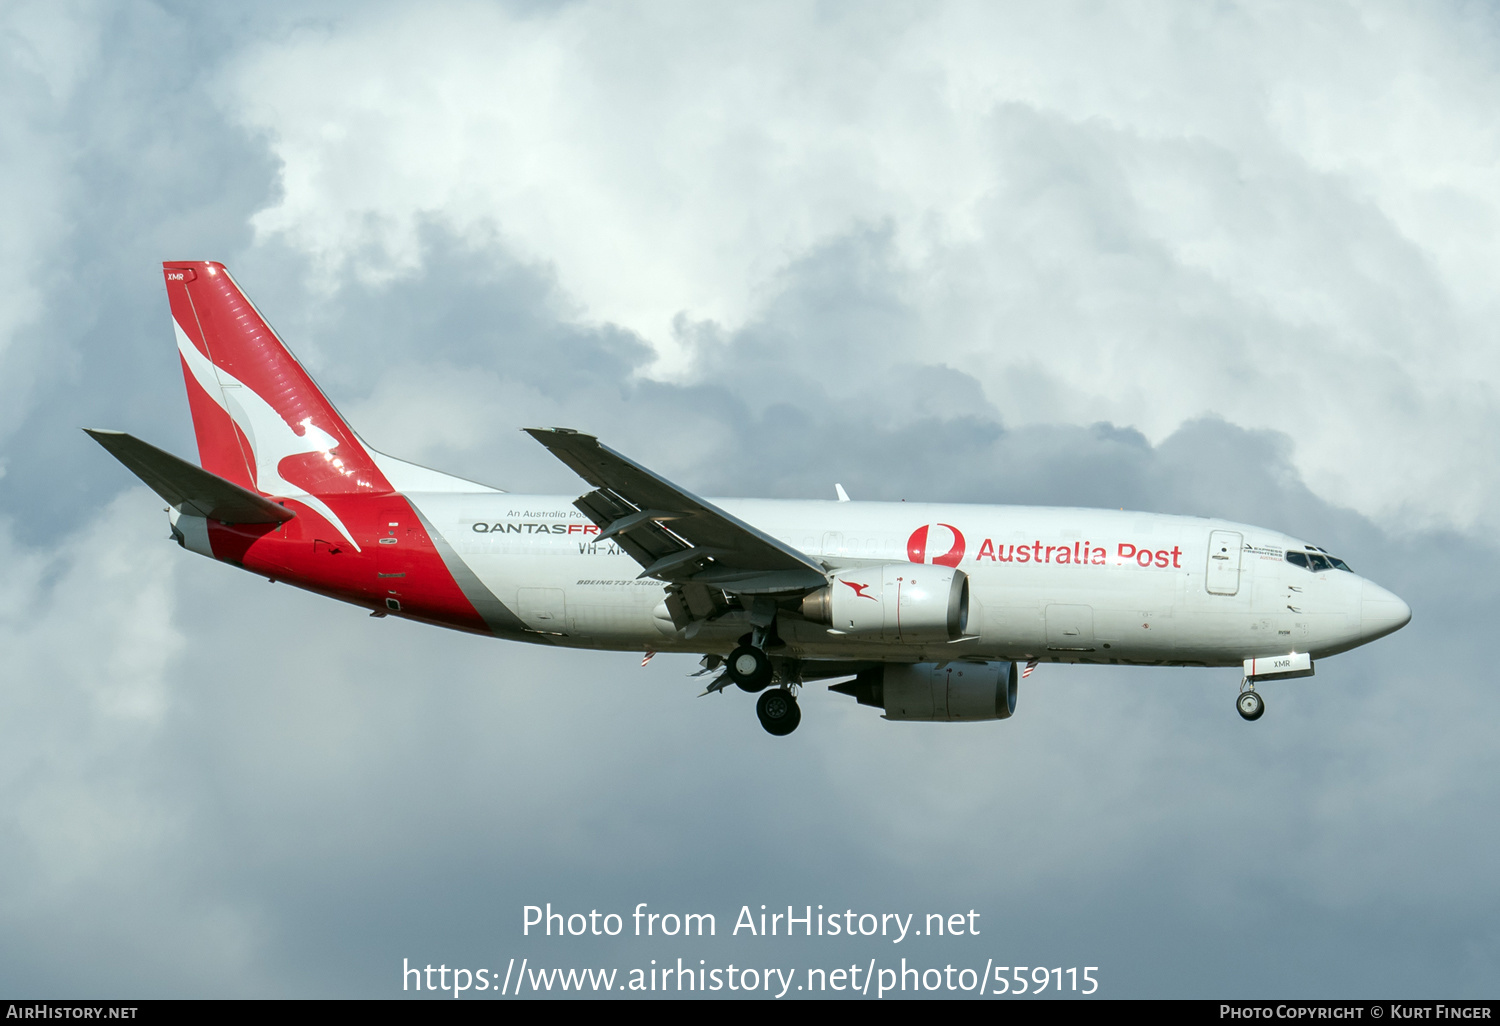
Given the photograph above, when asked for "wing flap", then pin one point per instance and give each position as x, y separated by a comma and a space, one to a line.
187, 487
626, 527
674, 535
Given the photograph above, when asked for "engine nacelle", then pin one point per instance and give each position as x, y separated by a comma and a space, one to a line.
938, 691
903, 602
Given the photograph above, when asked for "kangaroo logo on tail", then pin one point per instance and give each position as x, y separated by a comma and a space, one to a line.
271, 439
261, 421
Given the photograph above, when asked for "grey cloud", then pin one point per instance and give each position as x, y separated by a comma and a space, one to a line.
154, 173
352, 792
325, 794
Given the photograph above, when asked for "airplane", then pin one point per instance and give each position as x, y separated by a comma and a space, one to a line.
926, 611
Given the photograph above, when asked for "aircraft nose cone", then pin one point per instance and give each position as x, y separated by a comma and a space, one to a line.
1380, 612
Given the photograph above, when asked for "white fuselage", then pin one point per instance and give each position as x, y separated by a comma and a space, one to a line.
1071, 585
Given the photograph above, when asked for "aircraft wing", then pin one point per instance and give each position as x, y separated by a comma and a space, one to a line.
189, 488
674, 535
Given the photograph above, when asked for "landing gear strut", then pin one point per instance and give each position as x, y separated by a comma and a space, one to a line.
778, 711
750, 668
1250, 704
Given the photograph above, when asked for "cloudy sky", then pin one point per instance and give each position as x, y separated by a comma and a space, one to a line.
1230, 259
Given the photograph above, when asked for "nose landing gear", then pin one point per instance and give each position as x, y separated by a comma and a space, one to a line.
1250, 705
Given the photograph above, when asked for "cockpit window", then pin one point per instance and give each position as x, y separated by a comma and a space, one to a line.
1317, 560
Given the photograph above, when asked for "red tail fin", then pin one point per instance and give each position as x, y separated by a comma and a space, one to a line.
261, 422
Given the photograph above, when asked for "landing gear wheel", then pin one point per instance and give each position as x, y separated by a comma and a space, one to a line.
750, 668
1250, 705
778, 711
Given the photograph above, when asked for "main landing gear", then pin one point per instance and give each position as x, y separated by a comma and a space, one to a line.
1250, 704
750, 669
778, 711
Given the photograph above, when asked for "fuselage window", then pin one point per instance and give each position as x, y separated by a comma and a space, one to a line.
1298, 559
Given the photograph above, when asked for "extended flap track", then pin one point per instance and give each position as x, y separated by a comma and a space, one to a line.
633, 529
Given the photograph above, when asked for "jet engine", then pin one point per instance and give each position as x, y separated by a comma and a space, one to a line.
903, 602
937, 691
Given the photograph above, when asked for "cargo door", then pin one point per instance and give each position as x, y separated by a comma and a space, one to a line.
1224, 549
1070, 628
543, 609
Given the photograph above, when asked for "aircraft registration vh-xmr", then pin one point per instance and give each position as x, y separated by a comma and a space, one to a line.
923, 610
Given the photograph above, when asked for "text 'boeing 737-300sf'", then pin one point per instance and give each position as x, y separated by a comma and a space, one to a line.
923, 610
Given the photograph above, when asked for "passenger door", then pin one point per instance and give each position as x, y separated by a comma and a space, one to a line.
1224, 549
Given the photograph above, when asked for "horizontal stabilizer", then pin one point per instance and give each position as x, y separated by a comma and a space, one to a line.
189, 488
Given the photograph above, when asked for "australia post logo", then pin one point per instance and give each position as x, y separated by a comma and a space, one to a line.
942, 544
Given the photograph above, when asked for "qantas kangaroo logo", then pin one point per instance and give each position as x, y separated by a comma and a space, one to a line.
271, 439
859, 590
918, 550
